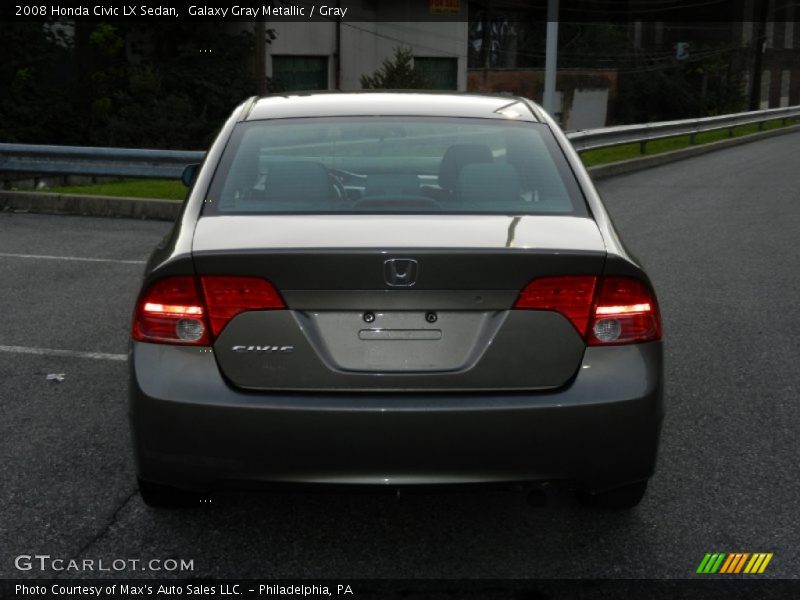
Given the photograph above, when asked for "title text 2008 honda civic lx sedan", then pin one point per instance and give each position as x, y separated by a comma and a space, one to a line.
394, 289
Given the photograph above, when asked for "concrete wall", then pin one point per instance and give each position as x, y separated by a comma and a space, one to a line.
583, 96
589, 109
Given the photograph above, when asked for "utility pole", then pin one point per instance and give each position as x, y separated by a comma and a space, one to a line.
486, 40
759, 43
337, 65
261, 58
551, 58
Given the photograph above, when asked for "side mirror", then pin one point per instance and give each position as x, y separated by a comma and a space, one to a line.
187, 177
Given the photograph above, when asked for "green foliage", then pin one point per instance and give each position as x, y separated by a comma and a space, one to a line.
34, 83
398, 73
698, 88
709, 81
158, 85
106, 38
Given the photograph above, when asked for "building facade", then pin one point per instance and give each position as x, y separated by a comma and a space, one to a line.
335, 54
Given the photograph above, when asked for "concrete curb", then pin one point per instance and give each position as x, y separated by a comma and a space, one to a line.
168, 210
95, 206
646, 162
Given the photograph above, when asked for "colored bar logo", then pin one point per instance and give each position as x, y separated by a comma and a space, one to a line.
734, 563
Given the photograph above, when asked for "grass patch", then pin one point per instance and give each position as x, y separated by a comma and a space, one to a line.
166, 189
603, 156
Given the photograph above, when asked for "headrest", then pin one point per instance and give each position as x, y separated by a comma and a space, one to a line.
456, 157
300, 181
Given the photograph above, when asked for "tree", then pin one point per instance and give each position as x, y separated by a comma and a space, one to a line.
35, 73
166, 85
399, 73
150, 85
705, 84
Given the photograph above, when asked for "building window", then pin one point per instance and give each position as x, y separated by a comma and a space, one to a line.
441, 73
299, 73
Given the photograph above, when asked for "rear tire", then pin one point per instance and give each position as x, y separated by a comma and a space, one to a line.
618, 498
157, 495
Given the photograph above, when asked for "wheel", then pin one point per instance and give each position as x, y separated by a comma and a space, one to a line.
623, 497
158, 495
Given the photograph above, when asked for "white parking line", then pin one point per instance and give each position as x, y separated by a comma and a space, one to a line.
75, 258
67, 353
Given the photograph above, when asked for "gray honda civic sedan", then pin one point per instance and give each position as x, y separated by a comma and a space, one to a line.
394, 289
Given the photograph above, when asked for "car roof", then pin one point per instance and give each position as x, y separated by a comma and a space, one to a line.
419, 104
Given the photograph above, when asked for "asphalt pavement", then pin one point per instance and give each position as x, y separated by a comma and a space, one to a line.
719, 236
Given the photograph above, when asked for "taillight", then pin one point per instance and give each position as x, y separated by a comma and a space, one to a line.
170, 311
625, 312
570, 295
173, 311
606, 310
227, 296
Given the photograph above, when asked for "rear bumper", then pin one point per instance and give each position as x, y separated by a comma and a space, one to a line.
192, 429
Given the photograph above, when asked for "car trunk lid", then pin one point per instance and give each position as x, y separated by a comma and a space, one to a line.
416, 302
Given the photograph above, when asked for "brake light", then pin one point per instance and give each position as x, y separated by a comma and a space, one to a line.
174, 311
570, 295
604, 311
171, 311
625, 312
227, 296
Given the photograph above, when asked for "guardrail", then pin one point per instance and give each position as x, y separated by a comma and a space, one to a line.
607, 137
36, 160
95, 161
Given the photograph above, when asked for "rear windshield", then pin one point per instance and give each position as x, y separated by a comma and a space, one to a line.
393, 165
